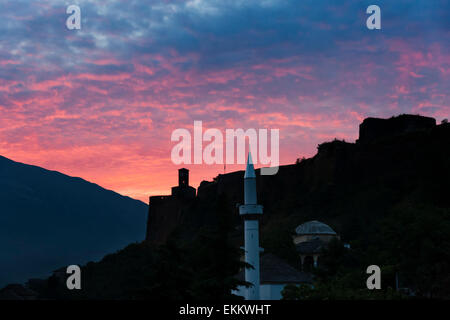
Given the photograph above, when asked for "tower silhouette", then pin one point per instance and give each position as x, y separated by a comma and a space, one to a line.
183, 177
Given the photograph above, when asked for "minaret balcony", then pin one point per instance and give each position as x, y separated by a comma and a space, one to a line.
250, 209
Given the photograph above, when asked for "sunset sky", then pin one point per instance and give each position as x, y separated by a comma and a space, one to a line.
101, 102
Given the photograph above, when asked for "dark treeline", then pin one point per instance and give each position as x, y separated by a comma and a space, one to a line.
201, 269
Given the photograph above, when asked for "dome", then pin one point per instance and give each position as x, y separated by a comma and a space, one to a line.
314, 227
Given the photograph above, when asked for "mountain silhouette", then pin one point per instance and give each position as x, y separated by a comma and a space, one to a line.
49, 220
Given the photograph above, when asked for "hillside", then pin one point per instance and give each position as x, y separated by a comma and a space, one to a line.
386, 195
49, 220
347, 185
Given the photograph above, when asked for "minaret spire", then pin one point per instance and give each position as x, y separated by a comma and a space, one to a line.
251, 211
250, 169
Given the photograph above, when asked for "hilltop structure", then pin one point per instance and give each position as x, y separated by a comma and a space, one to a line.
345, 184
165, 212
372, 129
335, 162
183, 190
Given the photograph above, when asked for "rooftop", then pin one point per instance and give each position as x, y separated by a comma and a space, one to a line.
276, 270
310, 247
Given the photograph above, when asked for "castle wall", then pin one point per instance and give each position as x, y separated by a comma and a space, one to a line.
374, 128
164, 214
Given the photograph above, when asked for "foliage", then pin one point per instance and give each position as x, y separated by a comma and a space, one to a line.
340, 276
201, 270
416, 239
277, 239
215, 258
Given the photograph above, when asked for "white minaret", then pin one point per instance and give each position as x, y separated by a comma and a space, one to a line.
251, 212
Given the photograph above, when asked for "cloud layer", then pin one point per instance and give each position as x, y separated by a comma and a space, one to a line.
101, 102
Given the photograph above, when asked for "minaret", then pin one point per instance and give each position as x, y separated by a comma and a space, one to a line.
251, 211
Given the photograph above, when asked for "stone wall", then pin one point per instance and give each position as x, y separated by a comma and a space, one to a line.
372, 129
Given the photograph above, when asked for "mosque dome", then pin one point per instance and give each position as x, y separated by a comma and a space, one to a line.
314, 228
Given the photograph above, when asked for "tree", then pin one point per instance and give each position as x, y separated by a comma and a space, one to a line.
215, 259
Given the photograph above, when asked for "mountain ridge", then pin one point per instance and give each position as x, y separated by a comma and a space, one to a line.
6, 159
49, 219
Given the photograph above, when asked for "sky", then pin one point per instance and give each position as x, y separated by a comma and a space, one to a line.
102, 102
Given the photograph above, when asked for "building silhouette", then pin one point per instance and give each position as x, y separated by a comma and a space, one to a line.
165, 211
